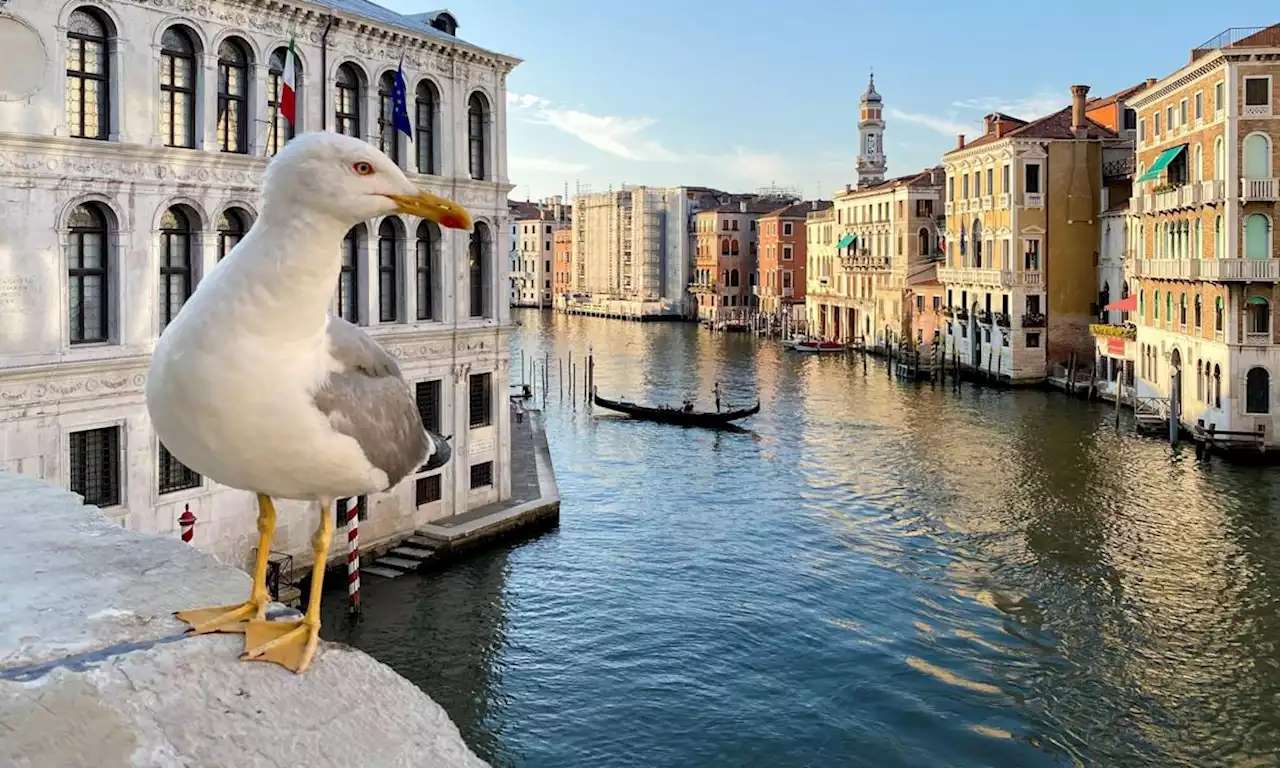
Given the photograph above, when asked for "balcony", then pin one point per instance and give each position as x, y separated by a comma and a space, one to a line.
1033, 320
1209, 269
950, 207
862, 262
1002, 319
1256, 110
1002, 201
1129, 332
1257, 339
702, 288
961, 314
948, 313
987, 202
1258, 190
1213, 191
1033, 200
1175, 198
994, 278
984, 316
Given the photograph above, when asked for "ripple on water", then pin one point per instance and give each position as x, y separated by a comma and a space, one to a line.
874, 574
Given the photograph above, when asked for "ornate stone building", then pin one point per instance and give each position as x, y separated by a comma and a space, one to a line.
133, 140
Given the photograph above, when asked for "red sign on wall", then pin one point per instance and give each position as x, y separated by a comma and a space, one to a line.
1115, 347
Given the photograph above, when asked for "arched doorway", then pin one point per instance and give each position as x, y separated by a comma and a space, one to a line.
1257, 391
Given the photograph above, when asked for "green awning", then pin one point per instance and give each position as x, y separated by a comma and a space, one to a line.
844, 241
1162, 162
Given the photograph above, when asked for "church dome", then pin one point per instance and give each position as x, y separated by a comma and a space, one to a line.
871, 96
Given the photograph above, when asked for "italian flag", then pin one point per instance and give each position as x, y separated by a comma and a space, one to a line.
288, 89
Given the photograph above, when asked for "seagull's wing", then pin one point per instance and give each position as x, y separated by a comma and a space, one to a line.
367, 399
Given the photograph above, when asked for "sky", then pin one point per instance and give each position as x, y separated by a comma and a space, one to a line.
740, 94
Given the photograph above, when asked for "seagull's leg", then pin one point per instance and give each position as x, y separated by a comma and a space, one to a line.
230, 618
292, 643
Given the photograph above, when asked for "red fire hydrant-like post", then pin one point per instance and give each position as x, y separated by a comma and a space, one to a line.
188, 523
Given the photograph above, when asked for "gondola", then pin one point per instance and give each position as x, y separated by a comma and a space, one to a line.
667, 415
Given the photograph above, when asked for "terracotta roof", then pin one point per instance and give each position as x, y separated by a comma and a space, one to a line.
1056, 125
1121, 95
753, 206
919, 178
798, 210
522, 210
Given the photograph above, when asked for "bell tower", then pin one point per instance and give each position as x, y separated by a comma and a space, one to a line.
871, 159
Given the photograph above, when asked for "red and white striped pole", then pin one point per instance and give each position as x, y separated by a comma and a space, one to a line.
353, 553
187, 522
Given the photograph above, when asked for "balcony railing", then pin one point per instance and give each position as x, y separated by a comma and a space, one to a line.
961, 314
1185, 196
1002, 319
1213, 191
1033, 320
1252, 337
996, 278
1239, 37
1002, 200
1258, 189
987, 202
1033, 200
984, 317
950, 207
1209, 269
1129, 332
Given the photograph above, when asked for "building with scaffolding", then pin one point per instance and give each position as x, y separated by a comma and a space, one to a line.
631, 253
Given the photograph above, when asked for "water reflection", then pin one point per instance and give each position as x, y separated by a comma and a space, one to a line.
871, 574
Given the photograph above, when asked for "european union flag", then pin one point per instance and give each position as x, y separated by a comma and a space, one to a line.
399, 104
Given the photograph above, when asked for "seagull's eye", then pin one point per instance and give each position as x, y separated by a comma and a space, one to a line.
363, 168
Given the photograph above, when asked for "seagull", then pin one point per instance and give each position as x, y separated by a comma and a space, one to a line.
257, 386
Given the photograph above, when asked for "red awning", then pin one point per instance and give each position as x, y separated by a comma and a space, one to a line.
1124, 305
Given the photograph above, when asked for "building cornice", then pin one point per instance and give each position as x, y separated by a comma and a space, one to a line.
1177, 81
308, 20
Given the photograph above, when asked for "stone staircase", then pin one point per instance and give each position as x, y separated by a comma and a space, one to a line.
409, 555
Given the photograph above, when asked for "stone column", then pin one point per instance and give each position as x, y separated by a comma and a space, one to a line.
206, 132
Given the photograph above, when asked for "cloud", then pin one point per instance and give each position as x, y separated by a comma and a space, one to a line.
947, 125
547, 164
619, 136
956, 120
1026, 108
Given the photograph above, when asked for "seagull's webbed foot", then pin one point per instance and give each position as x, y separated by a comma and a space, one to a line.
231, 618
223, 618
292, 644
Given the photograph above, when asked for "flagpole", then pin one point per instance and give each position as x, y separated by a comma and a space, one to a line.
271, 132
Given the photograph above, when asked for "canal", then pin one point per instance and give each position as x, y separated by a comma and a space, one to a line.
873, 574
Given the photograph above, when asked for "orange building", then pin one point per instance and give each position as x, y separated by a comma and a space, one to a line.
562, 252
726, 243
781, 269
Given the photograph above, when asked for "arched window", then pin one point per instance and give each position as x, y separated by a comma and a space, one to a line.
349, 275
1142, 304
733, 247
388, 136
389, 271
176, 277
231, 228
1257, 391
1217, 315
1182, 310
733, 278
233, 96
1219, 159
88, 275
88, 75
977, 243
425, 266
178, 88
1197, 242
724, 247
347, 95
477, 125
281, 130
1168, 307
1258, 313
425, 141
923, 236
1197, 314
1217, 386
1257, 156
1156, 309
1256, 236
479, 270
1197, 163
1219, 249
1199, 381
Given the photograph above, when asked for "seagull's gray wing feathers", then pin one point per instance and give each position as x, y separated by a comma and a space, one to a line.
368, 400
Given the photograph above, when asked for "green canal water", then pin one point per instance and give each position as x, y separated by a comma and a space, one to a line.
874, 574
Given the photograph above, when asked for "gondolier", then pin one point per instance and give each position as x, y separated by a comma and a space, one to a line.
716, 389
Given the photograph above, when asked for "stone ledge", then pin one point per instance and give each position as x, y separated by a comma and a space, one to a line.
94, 670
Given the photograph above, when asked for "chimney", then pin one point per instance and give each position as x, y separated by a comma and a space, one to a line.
813, 205
986, 124
848, 187
999, 126
960, 141
742, 206
1078, 92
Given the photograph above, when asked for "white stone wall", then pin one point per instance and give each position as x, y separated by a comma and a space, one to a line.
50, 388
1113, 231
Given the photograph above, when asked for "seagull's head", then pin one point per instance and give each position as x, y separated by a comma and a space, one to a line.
351, 181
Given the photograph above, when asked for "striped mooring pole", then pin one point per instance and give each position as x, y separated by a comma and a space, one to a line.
187, 522
353, 553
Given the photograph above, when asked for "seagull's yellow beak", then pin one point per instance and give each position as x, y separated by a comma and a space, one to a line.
444, 212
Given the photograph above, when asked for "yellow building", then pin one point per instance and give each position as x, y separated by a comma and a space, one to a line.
820, 271
1022, 237
886, 231
1204, 254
